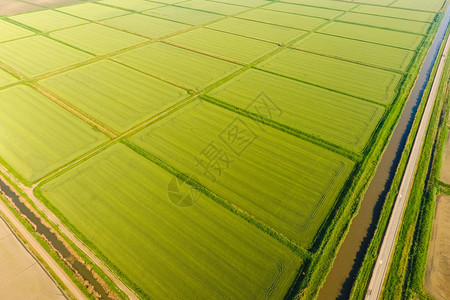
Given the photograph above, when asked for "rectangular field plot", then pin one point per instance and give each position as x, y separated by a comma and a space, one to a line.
113, 94
215, 7
346, 77
6, 78
404, 40
339, 5
396, 13
10, 31
136, 5
238, 48
340, 119
96, 38
386, 22
429, 5
283, 19
168, 1
263, 31
48, 20
38, 136
183, 15
248, 3
189, 69
304, 10
93, 11
145, 25
358, 51
119, 202
38, 55
292, 192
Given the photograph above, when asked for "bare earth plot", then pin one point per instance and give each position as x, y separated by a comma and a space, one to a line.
21, 276
438, 265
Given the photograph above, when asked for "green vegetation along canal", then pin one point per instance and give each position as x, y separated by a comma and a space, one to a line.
351, 254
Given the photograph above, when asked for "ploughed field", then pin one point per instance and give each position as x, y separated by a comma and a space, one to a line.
198, 147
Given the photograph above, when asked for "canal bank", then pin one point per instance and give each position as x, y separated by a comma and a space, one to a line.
352, 251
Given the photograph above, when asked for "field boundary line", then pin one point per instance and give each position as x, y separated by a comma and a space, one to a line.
69, 108
352, 155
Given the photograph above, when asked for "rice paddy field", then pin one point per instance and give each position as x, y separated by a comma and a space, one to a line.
201, 148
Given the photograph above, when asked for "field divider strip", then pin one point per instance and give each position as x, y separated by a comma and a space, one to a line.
74, 111
286, 129
115, 139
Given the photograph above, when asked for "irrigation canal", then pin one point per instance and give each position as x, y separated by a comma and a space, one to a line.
352, 251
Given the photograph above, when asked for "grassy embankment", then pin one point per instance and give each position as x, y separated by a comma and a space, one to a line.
399, 263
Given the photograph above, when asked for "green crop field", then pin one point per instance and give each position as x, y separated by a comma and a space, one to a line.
183, 15
215, 7
48, 20
396, 13
10, 31
38, 136
353, 79
204, 149
181, 139
304, 10
52, 55
92, 11
283, 19
165, 250
340, 119
430, 5
386, 22
96, 39
181, 66
253, 29
375, 35
104, 98
338, 5
363, 52
136, 5
145, 25
6, 78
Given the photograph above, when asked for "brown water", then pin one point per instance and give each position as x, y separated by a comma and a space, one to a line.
351, 254
51, 237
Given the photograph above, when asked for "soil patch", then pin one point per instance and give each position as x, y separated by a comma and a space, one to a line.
437, 275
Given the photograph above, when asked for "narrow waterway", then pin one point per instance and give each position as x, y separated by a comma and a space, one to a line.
51, 237
351, 254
